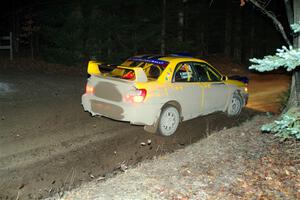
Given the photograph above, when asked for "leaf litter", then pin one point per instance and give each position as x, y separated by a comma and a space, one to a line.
236, 163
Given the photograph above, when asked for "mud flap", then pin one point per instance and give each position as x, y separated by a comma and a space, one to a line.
152, 128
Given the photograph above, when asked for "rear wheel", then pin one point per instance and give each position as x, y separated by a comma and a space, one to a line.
235, 106
168, 121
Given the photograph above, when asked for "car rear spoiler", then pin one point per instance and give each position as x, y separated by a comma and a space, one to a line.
93, 68
140, 75
96, 67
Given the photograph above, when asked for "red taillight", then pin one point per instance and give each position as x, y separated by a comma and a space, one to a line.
136, 96
89, 89
140, 96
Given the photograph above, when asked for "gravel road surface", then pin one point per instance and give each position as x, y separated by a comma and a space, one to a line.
48, 144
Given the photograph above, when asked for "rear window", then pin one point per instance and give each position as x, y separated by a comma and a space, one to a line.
152, 72
123, 73
152, 69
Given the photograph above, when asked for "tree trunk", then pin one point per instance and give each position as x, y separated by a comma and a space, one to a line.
296, 74
163, 29
16, 28
293, 15
237, 37
252, 38
289, 11
32, 46
37, 45
109, 48
228, 29
181, 21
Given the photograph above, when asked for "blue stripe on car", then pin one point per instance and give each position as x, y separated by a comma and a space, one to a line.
154, 61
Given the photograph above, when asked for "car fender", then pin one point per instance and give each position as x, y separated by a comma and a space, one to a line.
153, 128
175, 104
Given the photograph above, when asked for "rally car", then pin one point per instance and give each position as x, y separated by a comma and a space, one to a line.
159, 92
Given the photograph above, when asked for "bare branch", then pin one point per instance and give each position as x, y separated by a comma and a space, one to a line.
274, 19
267, 3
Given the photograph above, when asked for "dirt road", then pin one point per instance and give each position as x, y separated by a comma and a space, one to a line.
48, 144
267, 91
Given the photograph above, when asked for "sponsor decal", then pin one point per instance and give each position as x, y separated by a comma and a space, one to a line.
154, 61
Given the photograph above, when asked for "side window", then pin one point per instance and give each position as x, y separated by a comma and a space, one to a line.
201, 72
153, 71
212, 76
184, 73
206, 73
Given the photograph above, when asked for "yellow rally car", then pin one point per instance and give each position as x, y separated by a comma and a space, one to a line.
159, 92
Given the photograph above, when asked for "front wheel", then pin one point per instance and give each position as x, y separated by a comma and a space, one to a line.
235, 106
168, 121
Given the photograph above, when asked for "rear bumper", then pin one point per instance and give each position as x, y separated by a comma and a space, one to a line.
139, 113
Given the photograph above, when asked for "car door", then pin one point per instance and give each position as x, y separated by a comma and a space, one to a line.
215, 91
186, 90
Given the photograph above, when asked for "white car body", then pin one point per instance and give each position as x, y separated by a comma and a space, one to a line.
122, 99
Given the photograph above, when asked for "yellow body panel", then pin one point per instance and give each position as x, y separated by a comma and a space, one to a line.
235, 82
93, 68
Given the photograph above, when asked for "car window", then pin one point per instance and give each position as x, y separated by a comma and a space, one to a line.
201, 73
215, 72
184, 73
153, 71
205, 73
212, 76
123, 73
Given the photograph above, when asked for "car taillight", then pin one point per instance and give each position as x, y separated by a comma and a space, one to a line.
89, 89
136, 96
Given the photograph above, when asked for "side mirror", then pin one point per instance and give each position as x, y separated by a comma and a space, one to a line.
224, 78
